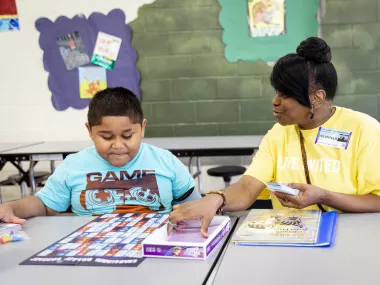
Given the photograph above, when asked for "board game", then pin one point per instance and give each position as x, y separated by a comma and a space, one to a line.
188, 244
109, 240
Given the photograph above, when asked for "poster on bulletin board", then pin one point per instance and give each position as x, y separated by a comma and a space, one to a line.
8, 16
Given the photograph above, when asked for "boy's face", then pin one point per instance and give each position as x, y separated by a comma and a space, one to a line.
117, 139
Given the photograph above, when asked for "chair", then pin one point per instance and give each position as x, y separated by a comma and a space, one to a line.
226, 172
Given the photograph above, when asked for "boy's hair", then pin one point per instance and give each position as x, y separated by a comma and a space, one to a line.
117, 101
310, 69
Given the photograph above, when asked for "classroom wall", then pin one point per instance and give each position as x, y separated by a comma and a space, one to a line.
188, 88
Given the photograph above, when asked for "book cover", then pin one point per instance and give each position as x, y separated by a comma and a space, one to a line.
91, 80
7, 228
72, 50
279, 226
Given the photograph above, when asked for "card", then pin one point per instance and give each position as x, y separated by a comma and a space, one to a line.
72, 50
106, 50
91, 81
275, 186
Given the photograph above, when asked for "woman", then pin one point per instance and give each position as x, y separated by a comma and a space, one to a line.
330, 152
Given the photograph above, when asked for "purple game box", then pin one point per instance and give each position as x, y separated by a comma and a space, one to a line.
190, 244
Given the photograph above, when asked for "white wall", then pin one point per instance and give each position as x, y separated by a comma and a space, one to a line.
26, 112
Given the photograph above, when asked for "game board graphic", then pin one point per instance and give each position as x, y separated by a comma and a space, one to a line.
139, 194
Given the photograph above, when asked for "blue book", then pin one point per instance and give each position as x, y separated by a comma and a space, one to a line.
287, 227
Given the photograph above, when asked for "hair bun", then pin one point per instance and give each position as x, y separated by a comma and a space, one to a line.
314, 49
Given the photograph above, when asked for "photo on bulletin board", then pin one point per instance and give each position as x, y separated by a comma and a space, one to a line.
8, 16
266, 17
72, 50
106, 50
91, 80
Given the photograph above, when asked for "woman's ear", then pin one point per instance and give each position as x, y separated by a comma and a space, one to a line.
317, 98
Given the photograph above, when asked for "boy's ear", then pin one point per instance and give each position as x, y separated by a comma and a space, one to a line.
143, 124
88, 129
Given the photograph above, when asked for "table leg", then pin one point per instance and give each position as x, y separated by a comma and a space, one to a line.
31, 177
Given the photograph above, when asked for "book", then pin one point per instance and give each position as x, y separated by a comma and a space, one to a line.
6, 228
287, 227
189, 244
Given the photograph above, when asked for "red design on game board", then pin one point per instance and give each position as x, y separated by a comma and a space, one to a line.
126, 192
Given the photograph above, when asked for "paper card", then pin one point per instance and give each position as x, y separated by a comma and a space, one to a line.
106, 50
72, 50
91, 81
266, 17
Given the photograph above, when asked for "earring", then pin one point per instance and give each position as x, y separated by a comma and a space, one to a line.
311, 115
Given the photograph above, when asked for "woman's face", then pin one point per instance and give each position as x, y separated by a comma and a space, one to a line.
288, 111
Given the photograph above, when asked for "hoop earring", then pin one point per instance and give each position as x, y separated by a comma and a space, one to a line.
311, 115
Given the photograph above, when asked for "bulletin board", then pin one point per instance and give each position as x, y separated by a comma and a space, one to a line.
85, 55
298, 22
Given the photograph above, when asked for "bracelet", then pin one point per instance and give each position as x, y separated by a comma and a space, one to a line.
220, 210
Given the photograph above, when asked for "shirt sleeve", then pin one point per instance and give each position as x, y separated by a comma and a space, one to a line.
183, 181
56, 194
263, 163
368, 174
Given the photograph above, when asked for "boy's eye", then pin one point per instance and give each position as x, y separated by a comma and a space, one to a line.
127, 137
282, 95
107, 138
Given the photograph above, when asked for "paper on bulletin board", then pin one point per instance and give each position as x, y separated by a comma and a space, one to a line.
72, 50
91, 81
266, 17
106, 50
8, 16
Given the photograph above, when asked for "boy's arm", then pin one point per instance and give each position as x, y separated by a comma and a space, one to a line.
15, 212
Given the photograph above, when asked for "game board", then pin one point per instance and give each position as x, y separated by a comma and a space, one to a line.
109, 240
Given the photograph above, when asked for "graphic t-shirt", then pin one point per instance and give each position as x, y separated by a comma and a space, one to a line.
342, 155
87, 182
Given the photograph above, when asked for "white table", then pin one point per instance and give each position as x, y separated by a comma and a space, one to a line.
12, 146
46, 230
181, 147
352, 260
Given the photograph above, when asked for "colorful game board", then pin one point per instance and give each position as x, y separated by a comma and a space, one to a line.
109, 240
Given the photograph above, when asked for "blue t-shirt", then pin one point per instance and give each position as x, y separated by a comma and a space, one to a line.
149, 182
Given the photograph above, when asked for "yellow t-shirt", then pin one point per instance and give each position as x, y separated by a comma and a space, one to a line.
351, 171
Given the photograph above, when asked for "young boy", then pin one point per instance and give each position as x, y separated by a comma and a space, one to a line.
119, 174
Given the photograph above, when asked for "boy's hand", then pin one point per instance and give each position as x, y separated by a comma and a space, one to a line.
7, 215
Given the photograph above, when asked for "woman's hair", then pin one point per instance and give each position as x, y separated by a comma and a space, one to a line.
297, 74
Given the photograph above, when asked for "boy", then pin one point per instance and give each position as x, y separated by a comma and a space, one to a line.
119, 174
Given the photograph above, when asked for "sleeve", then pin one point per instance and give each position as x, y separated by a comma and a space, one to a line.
56, 194
182, 181
368, 174
263, 163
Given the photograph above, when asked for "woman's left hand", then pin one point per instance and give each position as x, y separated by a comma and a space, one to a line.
309, 195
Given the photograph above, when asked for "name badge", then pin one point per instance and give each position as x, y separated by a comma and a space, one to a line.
333, 138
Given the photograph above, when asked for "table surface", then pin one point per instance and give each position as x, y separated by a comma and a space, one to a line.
44, 231
351, 260
16, 145
183, 144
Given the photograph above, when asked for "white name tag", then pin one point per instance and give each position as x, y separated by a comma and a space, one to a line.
333, 138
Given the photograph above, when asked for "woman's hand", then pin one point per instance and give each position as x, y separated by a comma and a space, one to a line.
309, 195
203, 210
